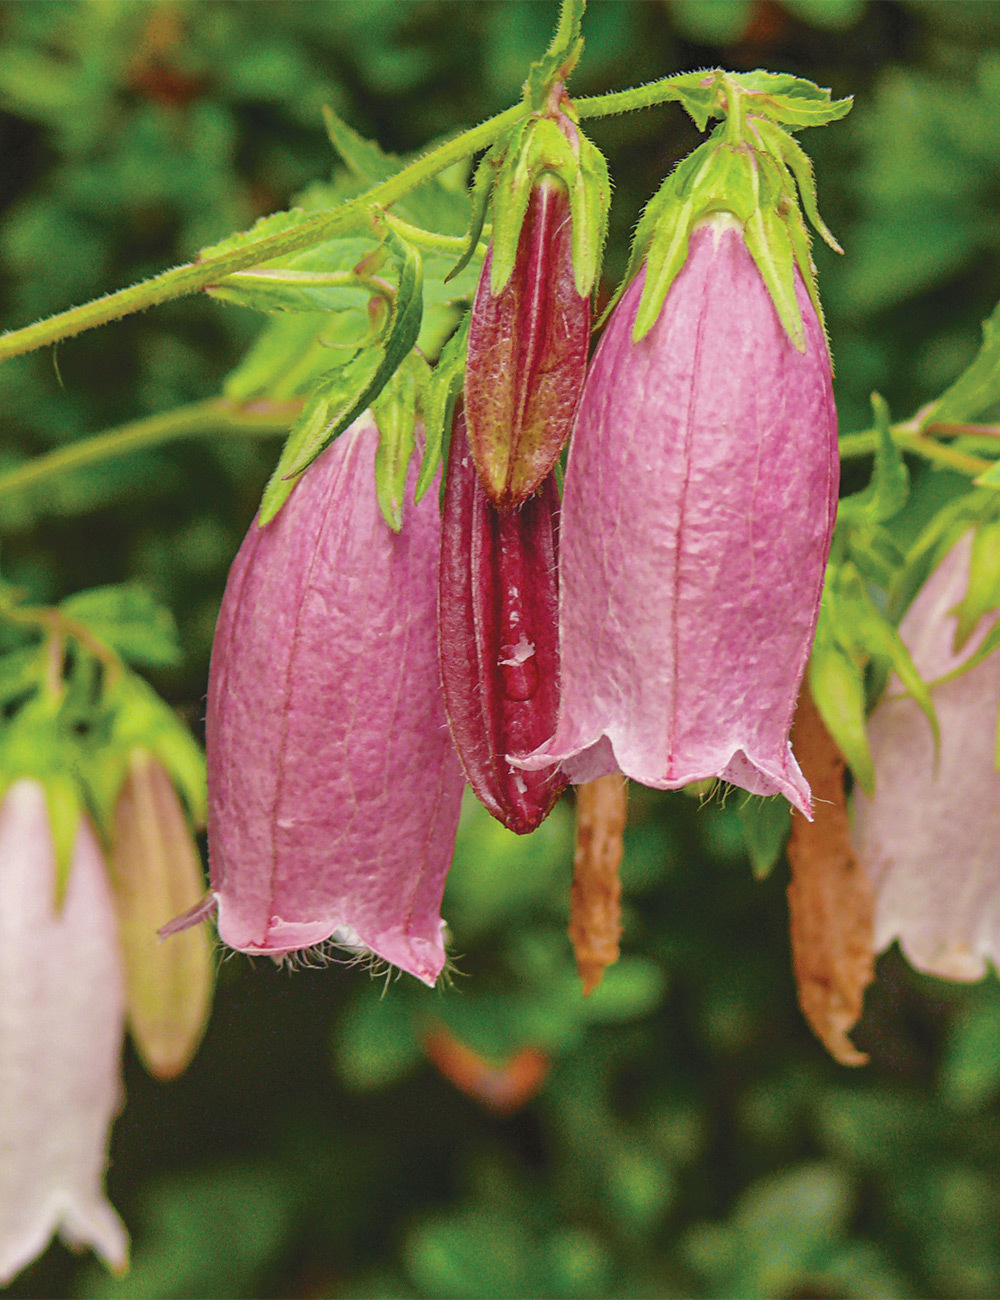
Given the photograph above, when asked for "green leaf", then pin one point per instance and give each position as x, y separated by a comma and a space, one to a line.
21, 673
792, 101
128, 620
861, 624
560, 58
139, 718
289, 354
977, 387
365, 158
443, 389
274, 224
875, 554
766, 823
837, 685
889, 488
342, 397
284, 289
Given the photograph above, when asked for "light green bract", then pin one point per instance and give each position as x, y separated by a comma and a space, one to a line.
751, 167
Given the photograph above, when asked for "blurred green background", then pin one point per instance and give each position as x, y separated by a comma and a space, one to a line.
686, 1135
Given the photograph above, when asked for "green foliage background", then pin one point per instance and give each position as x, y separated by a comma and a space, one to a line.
691, 1138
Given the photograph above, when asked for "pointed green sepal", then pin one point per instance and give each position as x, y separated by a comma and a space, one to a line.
65, 807
788, 150
441, 394
771, 248
482, 189
590, 203
342, 396
395, 412
551, 148
983, 593
837, 684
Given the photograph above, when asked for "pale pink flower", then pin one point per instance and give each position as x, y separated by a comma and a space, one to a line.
930, 836
62, 1009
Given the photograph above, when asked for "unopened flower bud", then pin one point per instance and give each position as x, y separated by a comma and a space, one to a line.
499, 638
156, 872
529, 328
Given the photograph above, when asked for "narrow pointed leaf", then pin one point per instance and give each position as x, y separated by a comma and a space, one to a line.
443, 390
837, 687
978, 386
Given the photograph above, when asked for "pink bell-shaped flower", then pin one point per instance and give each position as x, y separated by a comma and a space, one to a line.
62, 1019
696, 519
930, 836
334, 789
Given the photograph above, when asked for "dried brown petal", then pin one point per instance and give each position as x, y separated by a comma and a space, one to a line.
595, 896
830, 898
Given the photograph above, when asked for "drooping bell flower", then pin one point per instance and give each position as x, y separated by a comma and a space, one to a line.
156, 873
497, 605
62, 1006
930, 836
696, 520
529, 328
334, 789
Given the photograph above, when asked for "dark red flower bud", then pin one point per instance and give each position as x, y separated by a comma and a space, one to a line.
498, 634
527, 354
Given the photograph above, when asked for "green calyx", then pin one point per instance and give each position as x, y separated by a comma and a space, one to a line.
73, 711
751, 168
542, 147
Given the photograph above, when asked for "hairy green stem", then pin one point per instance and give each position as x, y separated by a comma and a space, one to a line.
355, 213
217, 415
193, 276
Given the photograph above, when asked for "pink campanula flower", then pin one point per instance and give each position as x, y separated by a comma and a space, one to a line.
62, 1013
930, 836
696, 520
334, 789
